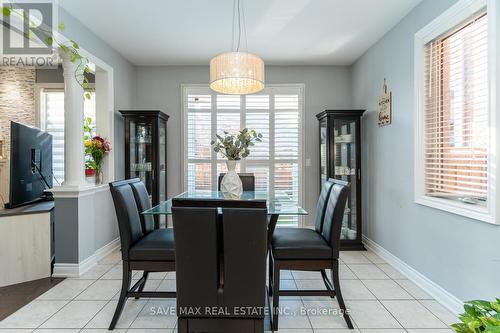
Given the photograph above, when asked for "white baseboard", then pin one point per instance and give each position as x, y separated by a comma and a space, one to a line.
448, 300
77, 270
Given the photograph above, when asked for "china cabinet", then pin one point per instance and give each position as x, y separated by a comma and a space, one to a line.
340, 157
146, 151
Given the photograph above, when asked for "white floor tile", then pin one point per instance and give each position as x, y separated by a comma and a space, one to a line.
374, 258
67, 289
57, 330
444, 330
102, 330
441, 312
305, 275
354, 289
367, 271
75, 314
412, 314
386, 289
156, 314
345, 273
150, 330
165, 285
112, 258
96, 272
170, 276
324, 314
32, 315
130, 311
391, 271
354, 257
115, 273
15, 330
291, 317
101, 290
371, 314
385, 330
413, 289
342, 330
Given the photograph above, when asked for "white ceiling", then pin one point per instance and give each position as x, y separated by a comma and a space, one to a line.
282, 32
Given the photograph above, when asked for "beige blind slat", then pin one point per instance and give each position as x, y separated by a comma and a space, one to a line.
456, 118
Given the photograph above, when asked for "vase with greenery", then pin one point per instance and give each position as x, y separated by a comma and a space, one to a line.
479, 316
234, 147
96, 148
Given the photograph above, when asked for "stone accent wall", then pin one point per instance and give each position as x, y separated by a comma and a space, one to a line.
17, 100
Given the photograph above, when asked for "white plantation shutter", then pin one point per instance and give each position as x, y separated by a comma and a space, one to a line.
274, 112
456, 114
52, 121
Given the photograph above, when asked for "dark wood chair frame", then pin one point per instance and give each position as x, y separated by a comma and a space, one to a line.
275, 266
137, 290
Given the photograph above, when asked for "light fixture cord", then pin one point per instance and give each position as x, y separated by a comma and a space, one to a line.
244, 25
239, 27
239, 13
232, 27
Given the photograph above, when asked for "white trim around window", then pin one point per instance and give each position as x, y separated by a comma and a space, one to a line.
451, 18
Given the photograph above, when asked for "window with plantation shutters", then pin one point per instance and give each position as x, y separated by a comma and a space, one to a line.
275, 162
52, 121
456, 113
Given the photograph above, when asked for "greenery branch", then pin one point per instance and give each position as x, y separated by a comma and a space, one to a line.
479, 316
237, 146
70, 48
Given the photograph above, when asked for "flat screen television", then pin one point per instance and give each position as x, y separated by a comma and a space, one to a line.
30, 164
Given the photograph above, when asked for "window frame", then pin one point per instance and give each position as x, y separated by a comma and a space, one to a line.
451, 18
293, 87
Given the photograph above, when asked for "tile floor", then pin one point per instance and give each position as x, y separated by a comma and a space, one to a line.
380, 299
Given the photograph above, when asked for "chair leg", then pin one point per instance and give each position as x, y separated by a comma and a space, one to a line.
270, 275
141, 287
338, 292
127, 279
276, 297
182, 325
327, 283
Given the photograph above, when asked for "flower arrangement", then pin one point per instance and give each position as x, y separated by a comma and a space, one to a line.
96, 148
236, 146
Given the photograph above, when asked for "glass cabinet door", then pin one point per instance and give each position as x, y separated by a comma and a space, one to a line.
323, 144
141, 152
344, 133
162, 172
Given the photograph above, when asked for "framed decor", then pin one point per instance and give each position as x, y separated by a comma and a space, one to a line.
385, 107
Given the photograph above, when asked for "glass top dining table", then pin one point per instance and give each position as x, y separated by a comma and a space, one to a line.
278, 203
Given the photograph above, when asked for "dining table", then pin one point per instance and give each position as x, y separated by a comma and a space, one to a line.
279, 203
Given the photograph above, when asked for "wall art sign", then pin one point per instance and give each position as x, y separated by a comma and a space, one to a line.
385, 107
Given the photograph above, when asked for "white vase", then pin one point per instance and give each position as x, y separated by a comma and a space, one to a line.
231, 186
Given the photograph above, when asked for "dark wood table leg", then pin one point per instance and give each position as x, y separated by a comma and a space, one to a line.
273, 220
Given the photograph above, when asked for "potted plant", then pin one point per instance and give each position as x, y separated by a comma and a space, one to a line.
234, 147
95, 150
479, 316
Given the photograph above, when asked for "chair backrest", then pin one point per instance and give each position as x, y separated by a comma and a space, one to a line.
247, 179
321, 205
129, 222
220, 258
335, 214
142, 200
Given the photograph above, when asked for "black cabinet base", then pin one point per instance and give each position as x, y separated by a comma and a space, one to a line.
352, 247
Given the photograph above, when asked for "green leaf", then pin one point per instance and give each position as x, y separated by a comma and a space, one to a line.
49, 41
75, 44
6, 11
61, 26
64, 48
87, 95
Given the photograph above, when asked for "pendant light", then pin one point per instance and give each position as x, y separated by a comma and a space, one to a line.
237, 72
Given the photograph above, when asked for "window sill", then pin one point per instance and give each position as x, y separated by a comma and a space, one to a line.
459, 208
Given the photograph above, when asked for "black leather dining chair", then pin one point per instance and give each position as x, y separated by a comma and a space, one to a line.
221, 267
312, 250
142, 247
247, 179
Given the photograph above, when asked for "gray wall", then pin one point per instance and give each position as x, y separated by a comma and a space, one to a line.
460, 254
325, 87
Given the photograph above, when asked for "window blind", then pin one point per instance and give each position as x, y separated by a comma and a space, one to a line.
52, 121
456, 121
274, 112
